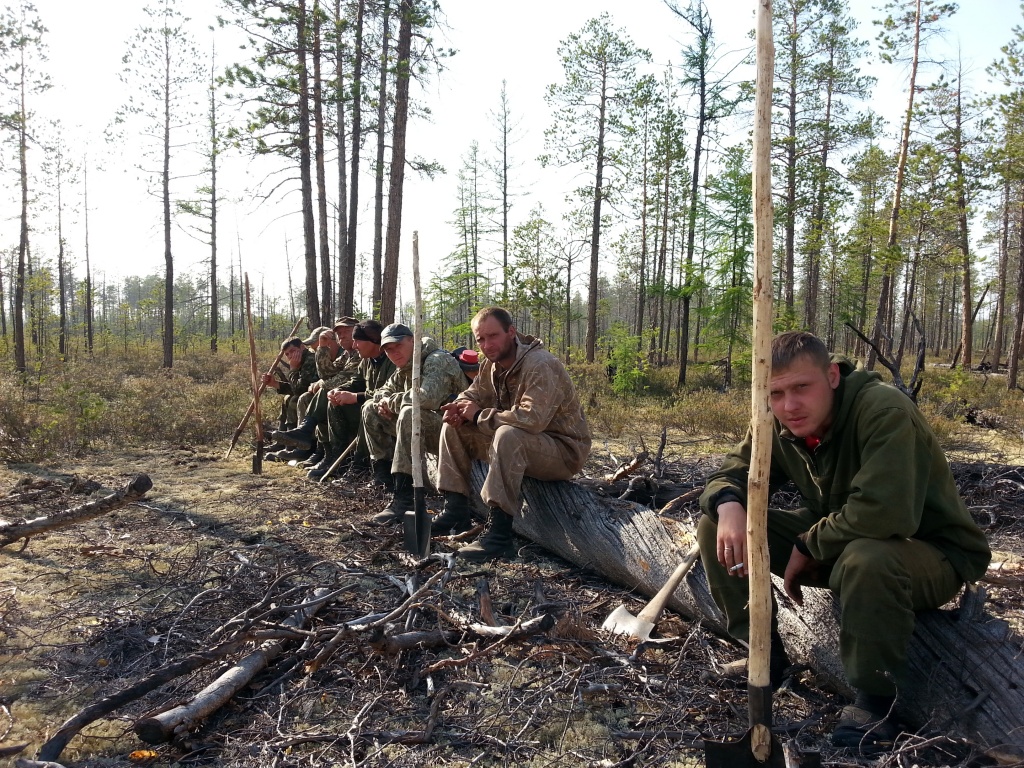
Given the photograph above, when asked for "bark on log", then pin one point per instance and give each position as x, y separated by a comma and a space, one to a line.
162, 727
133, 491
966, 671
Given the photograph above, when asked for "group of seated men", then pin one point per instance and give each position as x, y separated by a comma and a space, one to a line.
348, 392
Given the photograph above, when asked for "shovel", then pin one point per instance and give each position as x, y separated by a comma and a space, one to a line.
640, 626
758, 746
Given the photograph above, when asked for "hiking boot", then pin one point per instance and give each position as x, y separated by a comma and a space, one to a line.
494, 542
456, 517
302, 436
381, 475
320, 469
868, 732
316, 458
293, 454
401, 502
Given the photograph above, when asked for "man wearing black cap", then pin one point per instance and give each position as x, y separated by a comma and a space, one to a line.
387, 417
344, 412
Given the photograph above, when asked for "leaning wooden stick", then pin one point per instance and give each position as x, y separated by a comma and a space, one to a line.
252, 403
257, 458
134, 491
337, 461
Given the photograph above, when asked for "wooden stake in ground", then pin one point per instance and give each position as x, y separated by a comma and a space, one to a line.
257, 457
416, 521
252, 403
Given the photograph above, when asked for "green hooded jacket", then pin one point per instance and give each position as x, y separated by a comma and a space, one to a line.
878, 473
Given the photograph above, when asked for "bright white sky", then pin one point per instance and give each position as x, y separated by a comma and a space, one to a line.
495, 42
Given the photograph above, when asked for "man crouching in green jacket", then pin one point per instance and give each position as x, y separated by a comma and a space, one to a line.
882, 524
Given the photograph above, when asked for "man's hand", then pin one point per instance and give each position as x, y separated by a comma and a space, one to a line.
385, 410
294, 357
270, 381
341, 397
799, 565
316, 386
732, 537
459, 412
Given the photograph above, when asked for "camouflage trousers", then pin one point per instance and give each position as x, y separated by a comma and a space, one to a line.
393, 437
342, 425
512, 453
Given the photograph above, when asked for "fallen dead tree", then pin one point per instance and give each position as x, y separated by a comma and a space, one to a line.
159, 728
138, 487
966, 676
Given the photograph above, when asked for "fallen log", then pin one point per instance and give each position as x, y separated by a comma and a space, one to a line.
178, 720
966, 675
53, 747
133, 491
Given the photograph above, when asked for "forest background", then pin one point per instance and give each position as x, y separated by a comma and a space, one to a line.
301, 144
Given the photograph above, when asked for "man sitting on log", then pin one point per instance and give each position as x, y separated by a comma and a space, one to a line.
300, 376
882, 524
335, 368
387, 418
522, 415
344, 414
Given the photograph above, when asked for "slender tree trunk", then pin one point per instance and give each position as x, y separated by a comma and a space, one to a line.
403, 74
305, 172
790, 152
967, 327
62, 336
891, 250
341, 246
595, 230
88, 268
1004, 248
20, 283
214, 153
353, 205
168, 329
691, 234
326, 283
1018, 331
382, 119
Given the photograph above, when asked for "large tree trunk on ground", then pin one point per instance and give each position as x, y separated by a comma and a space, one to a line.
966, 677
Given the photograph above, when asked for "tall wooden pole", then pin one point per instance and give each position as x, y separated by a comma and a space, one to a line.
256, 380
761, 416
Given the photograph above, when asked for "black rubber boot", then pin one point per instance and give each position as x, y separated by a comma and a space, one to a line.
456, 517
316, 458
300, 437
401, 503
320, 469
382, 475
293, 454
495, 542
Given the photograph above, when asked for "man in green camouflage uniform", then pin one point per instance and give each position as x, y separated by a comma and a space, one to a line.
300, 375
387, 418
338, 369
344, 412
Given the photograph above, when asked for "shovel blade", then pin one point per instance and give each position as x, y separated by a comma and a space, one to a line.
410, 534
740, 753
737, 754
623, 622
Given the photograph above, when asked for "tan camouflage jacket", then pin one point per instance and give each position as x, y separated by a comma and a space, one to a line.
536, 395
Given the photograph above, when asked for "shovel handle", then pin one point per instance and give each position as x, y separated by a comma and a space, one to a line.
653, 609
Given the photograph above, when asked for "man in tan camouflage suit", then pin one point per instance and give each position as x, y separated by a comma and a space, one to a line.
522, 415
